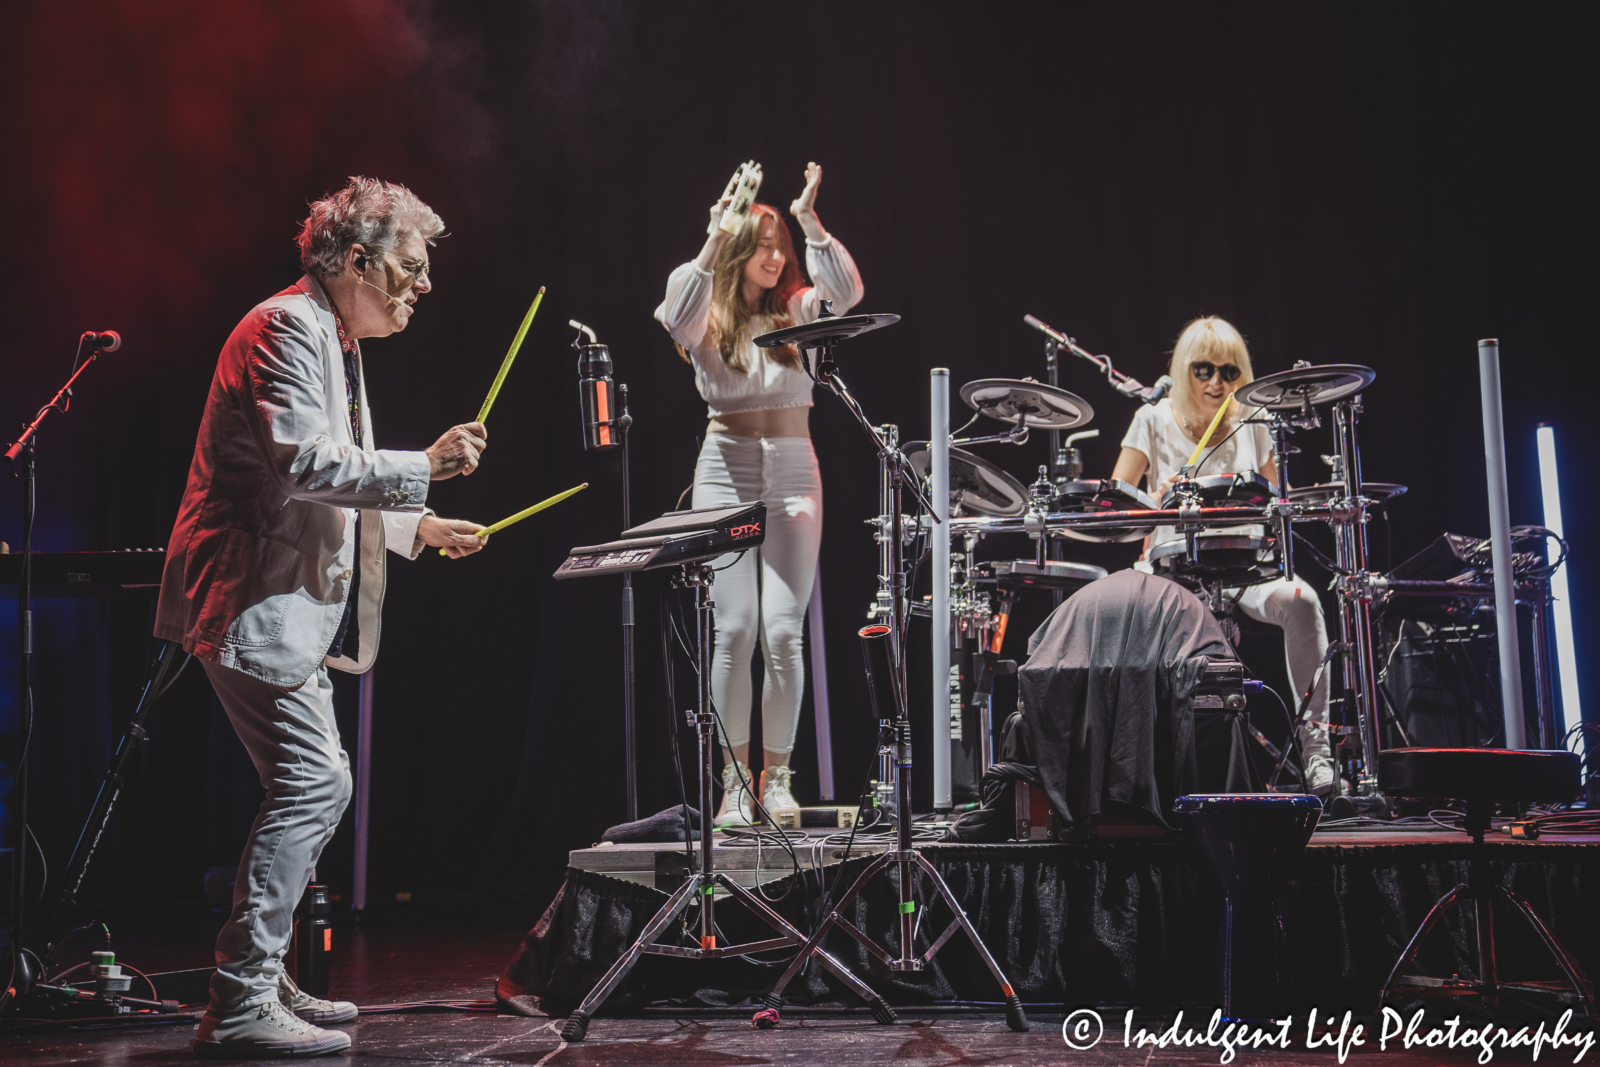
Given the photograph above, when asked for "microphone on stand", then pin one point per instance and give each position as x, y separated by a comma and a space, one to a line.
1121, 382
105, 341
596, 392
1048, 331
1154, 394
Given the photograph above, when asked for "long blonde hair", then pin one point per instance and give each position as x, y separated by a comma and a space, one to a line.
732, 321
1210, 338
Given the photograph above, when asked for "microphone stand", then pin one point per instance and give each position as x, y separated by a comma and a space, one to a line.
597, 357
622, 423
20, 456
1122, 383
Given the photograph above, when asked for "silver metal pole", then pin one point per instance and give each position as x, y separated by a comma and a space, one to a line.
1505, 592
1353, 534
819, 688
358, 891
939, 457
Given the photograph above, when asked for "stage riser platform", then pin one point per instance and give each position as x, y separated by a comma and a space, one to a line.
662, 866
1077, 924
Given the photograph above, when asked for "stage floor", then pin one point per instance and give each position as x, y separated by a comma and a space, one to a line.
400, 958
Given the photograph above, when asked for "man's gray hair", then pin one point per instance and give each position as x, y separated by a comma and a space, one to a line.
376, 215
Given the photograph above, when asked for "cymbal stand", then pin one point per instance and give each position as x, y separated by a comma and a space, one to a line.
885, 602
703, 882
1356, 591
882, 609
1058, 456
909, 864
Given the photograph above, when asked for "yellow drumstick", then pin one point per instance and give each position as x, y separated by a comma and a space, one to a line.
1205, 438
519, 516
505, 367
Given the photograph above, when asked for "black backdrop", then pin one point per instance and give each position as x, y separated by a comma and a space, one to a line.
1380, 183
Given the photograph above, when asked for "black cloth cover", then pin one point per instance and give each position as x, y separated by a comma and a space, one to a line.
666, 825
996, 816
1108, 690
1087, 923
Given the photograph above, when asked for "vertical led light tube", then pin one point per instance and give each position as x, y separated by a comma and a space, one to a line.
1505, 591
939, 462
1566, 650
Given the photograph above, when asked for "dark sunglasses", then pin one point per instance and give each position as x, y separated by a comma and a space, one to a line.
1203, 371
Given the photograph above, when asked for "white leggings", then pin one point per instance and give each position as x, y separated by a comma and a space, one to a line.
764, 595
1296, 609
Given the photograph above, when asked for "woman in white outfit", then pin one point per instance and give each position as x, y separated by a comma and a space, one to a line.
758, 447
1209, 362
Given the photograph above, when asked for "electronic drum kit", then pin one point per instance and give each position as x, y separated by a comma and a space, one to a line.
1233, 529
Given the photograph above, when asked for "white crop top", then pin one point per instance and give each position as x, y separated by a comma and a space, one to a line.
686, 313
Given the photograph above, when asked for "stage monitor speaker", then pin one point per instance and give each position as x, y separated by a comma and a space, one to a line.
1442, 675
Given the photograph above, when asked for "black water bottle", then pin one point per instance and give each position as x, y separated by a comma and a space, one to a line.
597, 394
313, 940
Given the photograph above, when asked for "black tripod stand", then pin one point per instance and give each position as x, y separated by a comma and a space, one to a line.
886, 674
703, 882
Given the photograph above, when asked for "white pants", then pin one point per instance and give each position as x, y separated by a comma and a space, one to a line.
763, 597
1295, 608
294, 743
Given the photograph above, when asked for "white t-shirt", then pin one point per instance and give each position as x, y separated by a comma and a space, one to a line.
1155, 431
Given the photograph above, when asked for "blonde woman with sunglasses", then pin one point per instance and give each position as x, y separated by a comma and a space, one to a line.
1209, 362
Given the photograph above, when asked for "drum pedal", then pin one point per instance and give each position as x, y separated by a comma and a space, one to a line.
819, 818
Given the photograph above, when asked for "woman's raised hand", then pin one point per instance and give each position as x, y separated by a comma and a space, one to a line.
804, 207
717, 211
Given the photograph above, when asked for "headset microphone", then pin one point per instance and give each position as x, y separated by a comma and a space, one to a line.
360, 263
387, 295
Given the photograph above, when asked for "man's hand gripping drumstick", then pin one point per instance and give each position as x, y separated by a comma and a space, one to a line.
457, 452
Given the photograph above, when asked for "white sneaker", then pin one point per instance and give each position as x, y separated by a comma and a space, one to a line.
313, 1009
260, 1032
1319, 776
743, 810
776, 794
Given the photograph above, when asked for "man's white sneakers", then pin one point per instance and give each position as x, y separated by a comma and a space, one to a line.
313, 1009
268, 1030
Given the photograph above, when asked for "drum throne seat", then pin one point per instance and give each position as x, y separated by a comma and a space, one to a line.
1483, 777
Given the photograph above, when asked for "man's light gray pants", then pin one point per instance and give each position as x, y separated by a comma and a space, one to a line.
293, 741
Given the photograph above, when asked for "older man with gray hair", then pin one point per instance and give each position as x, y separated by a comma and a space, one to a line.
275, 572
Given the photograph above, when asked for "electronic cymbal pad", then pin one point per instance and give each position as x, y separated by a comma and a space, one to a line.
1377, 492
831, 328
1026, 574
1043, 407
1306, 385
976, 485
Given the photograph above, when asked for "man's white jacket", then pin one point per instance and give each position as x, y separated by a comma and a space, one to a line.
262, 557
